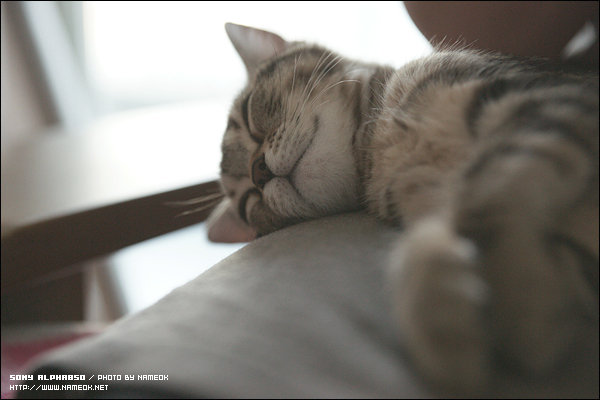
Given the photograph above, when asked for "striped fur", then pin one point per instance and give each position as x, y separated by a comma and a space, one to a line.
488, 164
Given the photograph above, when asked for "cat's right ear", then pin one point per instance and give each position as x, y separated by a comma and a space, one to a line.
225, 228
254, 46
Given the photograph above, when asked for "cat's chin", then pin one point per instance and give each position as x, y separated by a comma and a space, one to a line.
285, 200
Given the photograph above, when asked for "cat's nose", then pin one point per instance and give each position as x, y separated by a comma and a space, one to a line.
260, 172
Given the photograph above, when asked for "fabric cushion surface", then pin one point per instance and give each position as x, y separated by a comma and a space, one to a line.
303, 312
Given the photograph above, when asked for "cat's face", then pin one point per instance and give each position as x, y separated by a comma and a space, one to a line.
287, 149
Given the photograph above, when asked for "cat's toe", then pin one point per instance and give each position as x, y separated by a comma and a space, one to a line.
438, 300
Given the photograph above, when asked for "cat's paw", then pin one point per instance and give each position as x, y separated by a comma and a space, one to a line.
438, 298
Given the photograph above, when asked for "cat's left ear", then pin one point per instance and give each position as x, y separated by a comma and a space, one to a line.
255, 46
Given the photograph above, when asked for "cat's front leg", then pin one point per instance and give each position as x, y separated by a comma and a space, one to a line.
438, 300
508, 204
490, 276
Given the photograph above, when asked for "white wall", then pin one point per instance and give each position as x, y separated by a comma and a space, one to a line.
22, 107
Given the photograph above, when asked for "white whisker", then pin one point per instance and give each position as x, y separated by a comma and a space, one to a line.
330, 87
195, 210
197, 200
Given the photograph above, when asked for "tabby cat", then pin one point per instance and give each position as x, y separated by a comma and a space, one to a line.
488, 164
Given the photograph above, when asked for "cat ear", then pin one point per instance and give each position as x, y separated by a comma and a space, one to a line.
225, 228
255, 46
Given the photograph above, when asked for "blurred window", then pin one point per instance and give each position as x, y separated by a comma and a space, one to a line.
147, 53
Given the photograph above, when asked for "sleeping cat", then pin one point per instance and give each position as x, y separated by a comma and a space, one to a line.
489, 166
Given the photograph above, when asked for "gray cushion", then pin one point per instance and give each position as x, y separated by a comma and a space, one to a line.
302, 312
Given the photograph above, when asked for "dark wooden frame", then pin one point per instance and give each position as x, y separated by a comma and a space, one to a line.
49, 248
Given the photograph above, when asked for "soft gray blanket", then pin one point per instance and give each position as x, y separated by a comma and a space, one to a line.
299, 313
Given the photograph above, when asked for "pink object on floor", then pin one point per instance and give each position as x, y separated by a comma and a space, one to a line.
16, 354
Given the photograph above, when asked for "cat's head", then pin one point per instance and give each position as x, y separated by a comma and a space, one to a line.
287, 148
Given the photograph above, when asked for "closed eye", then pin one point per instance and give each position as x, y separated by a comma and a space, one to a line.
245, 111
243, 202
246, 116
258, 138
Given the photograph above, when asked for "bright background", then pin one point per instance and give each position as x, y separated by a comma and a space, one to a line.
147, 53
